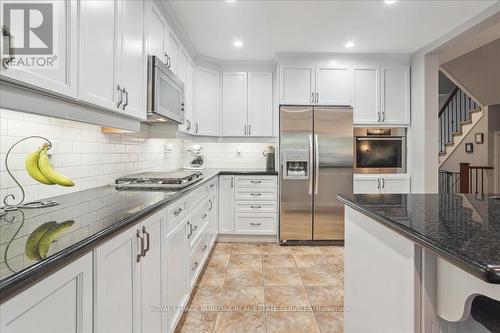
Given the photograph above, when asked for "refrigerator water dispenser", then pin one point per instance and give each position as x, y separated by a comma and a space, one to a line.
296, 164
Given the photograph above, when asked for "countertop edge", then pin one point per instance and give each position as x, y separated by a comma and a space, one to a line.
486, 273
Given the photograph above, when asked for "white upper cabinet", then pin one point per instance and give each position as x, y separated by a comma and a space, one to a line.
395, 102
188, 126
98, 37
173, 53
62, 78
207, 106
112, 64
297, 85
157, 37
132, 59
234, 104
366, 94
260, 103
333, 85
181, 66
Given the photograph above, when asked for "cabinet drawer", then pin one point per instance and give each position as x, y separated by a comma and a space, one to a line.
256, 207
176, 212
196, 258
198, 220
201, 193
256, 182
251, 224
256, 194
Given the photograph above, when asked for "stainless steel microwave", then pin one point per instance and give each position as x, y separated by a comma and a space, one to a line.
165, 93
379, 150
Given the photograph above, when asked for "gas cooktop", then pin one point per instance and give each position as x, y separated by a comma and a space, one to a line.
159, 180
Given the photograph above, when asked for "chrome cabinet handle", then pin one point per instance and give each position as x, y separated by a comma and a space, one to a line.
190, 226
212, 185
196, 127
205, 247
378, 117
177, 211
188, 127
256, 207
245, 129
312, 98
120, 101
256, 194
252, 223
383, 116
378, 183
195, 266
141, 253
232, 182
195, 228
316, 140
256, 181
383, 182
147, 240
249, 129
211, 205
317, 97
7, 60
126, 98
310, 163
204, 216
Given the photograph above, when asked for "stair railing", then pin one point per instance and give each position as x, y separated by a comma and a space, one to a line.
448, 182
472, 178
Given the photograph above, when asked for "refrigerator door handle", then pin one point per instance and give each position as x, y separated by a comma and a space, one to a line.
310, 162
316, 162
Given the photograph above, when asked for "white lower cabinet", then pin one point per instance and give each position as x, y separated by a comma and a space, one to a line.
226, 204
175, 280
379, 184
60, 303
128, 279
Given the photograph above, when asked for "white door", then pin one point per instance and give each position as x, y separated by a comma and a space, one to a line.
366, 95
60, 78
395, 95
207, 106
116, 284
226, 205
333, 85
260, 103
62, 303
369, 184
172, 52
151, 282
297, 85
98, 38
395, 184
234, 104
175, 279
131, 59
157, 33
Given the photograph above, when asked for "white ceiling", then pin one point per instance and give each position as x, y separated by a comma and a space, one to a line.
270, 27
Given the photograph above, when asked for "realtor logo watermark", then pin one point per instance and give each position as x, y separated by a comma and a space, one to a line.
28, 35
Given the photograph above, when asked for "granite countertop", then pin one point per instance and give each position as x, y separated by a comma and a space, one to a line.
462, 229
98, 214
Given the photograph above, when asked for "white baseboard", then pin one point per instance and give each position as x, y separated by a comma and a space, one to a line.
247, 238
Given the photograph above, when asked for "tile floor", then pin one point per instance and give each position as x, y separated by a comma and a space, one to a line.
252, 287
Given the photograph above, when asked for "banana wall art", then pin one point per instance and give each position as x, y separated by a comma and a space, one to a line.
38, 166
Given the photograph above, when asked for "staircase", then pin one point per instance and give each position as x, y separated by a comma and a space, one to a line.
458, 115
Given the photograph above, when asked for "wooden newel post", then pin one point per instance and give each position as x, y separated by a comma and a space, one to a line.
464, 178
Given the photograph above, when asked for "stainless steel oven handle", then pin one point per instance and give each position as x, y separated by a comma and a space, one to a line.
378, 138
316, 162
310, 163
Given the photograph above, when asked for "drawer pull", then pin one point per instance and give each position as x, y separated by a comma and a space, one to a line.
204, 216
194, 228
190, 226
141, 238
256, 194
147, 241
211, 205
252, 223
178, 211
205, 247
195, 266
212, 185
255, 206
256, 181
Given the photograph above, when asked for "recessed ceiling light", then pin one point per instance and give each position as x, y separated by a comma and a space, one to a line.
390, 2
230, 1
238, 43
349, 45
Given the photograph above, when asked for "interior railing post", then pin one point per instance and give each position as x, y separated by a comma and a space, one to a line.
464, 178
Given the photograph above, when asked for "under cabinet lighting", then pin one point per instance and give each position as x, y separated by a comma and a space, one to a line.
238, 43
349, 45
390, 2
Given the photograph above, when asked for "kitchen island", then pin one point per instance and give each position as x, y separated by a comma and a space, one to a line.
416, 262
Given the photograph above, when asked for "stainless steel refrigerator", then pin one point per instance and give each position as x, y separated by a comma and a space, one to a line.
316, 160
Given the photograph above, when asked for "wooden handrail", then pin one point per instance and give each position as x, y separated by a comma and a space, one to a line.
448, 100
480, 167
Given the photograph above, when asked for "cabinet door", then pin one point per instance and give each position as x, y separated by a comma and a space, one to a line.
62, 302
395, 184
61, 78
157, 33
172, 52
151, 282
207, 106
116, 285
260, 103
226, 205
365, 94
181, 66
234, 103
396, 95
212, 227
369, 184
333, 85
98, 37
131, 58
187, 127
297, 85
175, 279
